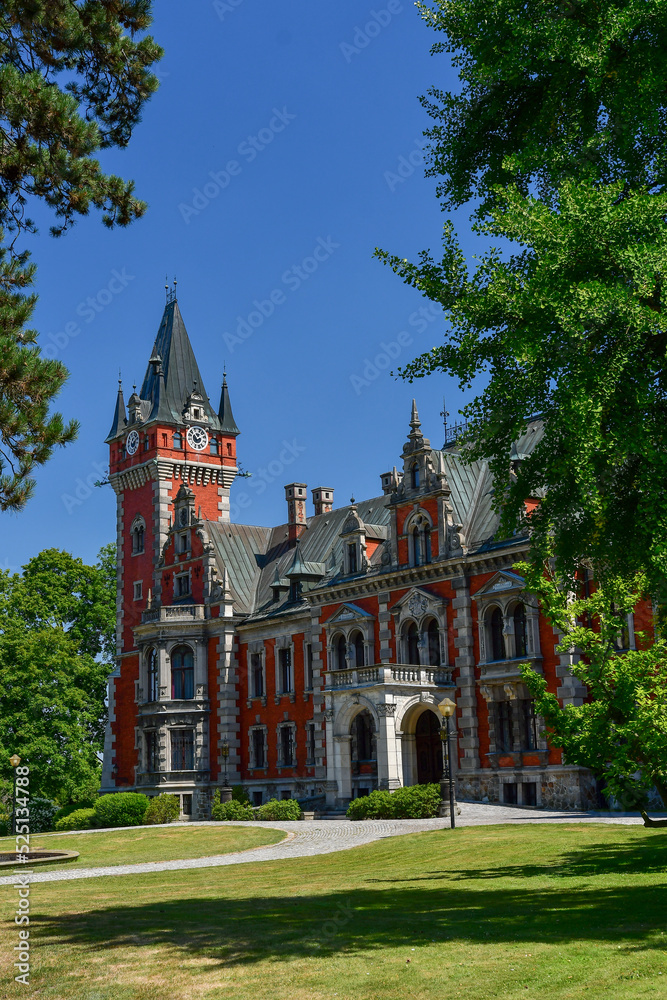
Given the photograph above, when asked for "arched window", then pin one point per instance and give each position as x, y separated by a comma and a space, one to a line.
182, 673
339, 651
497, 638
433, 643
177, 441
412, 641
417, 556
138, 528
152, 675
363, 730
414, 476
520, 630
419, 541
357, 640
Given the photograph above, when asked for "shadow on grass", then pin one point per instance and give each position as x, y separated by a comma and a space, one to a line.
631, 858
230, 931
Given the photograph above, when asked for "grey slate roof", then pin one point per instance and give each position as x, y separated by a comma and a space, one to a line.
225, 415
119, 422
169, 391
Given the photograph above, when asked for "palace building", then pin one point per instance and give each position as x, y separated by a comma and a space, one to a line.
314, 653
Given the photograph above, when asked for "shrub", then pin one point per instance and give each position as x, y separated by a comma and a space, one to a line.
78, 819
283, 809
74, 807
239, 794
162, 809
231, 810
120, 809
4, 825
414, 802
42, 812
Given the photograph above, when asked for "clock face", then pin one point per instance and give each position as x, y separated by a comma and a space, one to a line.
132, 442
197, 438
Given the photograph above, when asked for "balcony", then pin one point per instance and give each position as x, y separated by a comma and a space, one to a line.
174, 612
389, 673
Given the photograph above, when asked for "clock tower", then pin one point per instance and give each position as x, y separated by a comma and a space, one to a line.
170, 436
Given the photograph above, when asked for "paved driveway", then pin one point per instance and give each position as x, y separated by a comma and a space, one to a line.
324, 837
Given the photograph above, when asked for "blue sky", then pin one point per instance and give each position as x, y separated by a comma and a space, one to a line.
278, 130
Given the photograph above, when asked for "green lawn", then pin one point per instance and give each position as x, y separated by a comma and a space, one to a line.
158, 843
531, 912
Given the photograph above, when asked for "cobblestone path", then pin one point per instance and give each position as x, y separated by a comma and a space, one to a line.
310, 837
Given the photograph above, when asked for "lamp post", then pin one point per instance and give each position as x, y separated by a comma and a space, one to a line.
225, 791
14, 760
447, 708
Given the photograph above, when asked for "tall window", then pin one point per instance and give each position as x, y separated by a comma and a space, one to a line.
362, 737
214, 446
308, 655
412, 638
177, 440
182, 750
258, 748
352, 557
503, 726
256, 675
339, 651
414, 476
182, 673
138, 529
152, 675
152, 751
286, 745
285, 670
358, 643
310, 743
497, 638
520, 630
182, 585
433, 643
529, 720
419, 542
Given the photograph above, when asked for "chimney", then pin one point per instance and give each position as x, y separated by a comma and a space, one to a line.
390, 481
323, 500
296, 495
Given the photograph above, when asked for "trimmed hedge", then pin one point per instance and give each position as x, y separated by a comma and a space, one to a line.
78, 819
414, 802
231, 810
74, 807
163, 808
120, 809
280, 809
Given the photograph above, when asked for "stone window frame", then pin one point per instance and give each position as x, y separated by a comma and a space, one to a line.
514, 694
189, 728
153, 732
308, 667
256, 648
252, 763
284, 642
506, 601
288, 724
414, 524
137, 536
311, 742
345, 626
419, 608
177, 578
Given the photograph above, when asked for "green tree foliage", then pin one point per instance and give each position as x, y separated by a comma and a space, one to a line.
620, 732
74, 77
558, 135
56, 643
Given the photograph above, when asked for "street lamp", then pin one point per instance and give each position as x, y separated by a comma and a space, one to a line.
14, 760
225, 791
447, 708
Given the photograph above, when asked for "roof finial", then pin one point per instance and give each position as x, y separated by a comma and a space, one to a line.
352, 500
444, 413
415, 422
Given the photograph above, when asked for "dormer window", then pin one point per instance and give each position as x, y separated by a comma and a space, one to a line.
195, 412
352, 557
183, 542
419, 541
414, 476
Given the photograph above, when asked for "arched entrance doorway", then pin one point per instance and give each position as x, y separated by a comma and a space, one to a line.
428, 746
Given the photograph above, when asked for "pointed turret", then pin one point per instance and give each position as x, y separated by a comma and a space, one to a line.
120, 416
225, 415
172, 371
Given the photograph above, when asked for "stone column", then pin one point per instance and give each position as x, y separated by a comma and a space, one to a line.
465, 663
343, 767
331, 785
408, 753
388, 750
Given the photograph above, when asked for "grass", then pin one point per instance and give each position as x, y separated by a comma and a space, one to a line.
158, 843
531, 912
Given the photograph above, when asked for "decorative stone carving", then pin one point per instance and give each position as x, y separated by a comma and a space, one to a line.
417, 604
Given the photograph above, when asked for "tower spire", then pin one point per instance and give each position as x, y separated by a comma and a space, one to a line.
225, 415
120, 416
